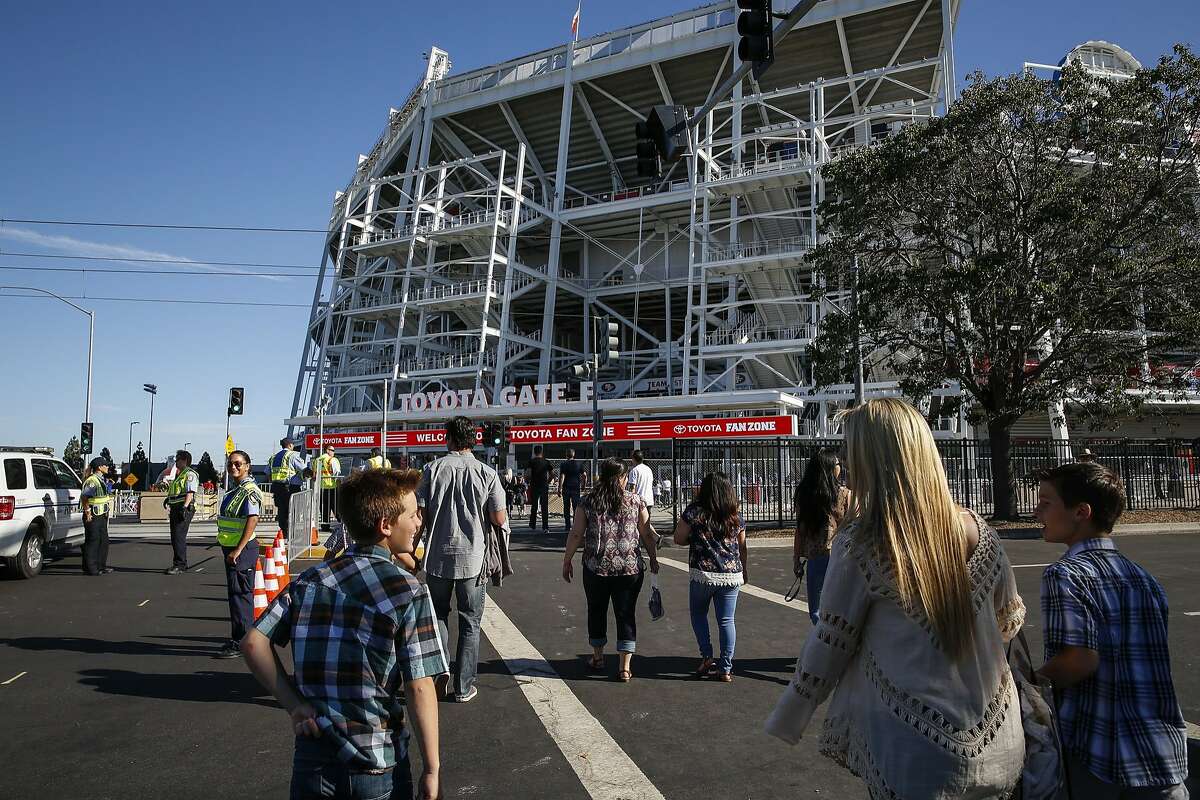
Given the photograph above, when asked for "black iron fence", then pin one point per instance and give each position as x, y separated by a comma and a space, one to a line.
1160, 473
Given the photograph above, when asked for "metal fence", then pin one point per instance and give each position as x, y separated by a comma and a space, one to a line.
1158, 474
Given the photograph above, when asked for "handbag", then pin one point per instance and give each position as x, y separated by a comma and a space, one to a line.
794, 591
1043, 776
656, 604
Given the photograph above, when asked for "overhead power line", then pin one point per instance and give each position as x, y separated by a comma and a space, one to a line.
92, 271
242, 228
163, 261
164, 300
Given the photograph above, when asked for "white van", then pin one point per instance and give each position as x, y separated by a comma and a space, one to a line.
39, 506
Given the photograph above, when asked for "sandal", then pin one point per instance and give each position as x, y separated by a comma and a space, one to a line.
706, 668
595, 663
623, 675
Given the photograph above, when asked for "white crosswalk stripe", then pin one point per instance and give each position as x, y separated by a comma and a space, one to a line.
748, 588
604, 769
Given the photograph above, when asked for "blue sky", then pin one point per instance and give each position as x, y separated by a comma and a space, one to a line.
252, 114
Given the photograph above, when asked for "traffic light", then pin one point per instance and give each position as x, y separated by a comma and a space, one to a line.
237, 396
495, 434
663, 137
608, 344
85, 438
757, 44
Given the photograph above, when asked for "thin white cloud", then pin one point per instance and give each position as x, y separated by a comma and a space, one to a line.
69, 245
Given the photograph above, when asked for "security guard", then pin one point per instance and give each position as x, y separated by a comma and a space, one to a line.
377, 461
287, 469
95, 501
235, 533
181, 507
329, 469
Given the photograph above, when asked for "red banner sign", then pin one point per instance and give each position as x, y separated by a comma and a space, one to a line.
718, 428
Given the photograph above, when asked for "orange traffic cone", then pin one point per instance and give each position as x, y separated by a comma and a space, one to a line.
269, 577
281, 566
260, 590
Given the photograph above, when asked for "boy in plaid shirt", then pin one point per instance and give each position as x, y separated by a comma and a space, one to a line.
1105, 617
358, 626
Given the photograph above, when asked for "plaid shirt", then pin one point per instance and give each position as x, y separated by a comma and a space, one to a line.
357, 625
1123, 722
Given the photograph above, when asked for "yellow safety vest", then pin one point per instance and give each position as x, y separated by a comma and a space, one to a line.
328, 467
281, 466
98, 503
177, 491
378, 462
229, 526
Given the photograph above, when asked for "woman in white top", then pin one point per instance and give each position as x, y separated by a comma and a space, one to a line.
919, 600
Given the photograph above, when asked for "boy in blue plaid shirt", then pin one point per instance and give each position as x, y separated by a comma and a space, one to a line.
1105, 618
358, 626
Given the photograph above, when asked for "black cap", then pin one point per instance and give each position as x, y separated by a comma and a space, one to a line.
98, 462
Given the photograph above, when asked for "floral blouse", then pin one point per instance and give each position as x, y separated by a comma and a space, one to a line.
611, 545
711, 559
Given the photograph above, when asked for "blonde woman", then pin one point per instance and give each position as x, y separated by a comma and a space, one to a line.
919, 600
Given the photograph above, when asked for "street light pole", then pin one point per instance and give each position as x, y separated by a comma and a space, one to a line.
91, 315
153, 390
131, 440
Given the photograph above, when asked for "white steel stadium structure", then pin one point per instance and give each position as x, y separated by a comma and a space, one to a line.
499, 210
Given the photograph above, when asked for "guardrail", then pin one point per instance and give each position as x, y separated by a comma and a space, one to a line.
624, 194
757, 249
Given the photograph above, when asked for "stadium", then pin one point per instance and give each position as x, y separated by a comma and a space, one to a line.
499, 213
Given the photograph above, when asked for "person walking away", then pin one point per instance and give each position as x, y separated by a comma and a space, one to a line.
641, 479
330, 469
181, 507
918, 605
715, 535
377, 461
570, 474
821, 503
286, 470
521, 488
613, 525
460, 496
357, 627
1107, 652
236, 522
510, 489
95, 501
541, 472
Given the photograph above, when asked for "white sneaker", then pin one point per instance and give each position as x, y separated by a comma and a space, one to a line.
468, 697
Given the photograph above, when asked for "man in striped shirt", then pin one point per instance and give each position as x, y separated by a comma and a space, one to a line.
1105, 623
358, 626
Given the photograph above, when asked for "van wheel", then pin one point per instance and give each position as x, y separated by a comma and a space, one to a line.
27, 563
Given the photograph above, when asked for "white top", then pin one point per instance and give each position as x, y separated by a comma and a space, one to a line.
641, 481
905, 718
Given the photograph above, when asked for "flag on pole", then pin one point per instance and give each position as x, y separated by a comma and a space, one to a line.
575, 21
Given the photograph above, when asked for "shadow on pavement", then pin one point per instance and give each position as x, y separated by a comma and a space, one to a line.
196, 687
201, 619
103, 647
663, 668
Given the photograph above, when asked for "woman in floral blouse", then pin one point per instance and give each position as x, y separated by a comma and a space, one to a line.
713, 530
612, 524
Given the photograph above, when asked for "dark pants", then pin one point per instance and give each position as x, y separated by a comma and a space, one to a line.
814, 574
239, 579
623, 591
181, 520
95, 544
570, 498
317, 772
328, 503
539, 494
283, 501
469, 597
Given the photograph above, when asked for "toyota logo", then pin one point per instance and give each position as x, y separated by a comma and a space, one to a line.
680, 428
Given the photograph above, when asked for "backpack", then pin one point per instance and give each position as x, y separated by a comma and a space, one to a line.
1042, 777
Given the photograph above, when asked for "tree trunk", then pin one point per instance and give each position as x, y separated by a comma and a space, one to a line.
1003, 485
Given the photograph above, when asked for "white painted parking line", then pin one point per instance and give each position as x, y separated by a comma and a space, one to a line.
13, 678
747, 588
143, 603
1024, 566
604, 769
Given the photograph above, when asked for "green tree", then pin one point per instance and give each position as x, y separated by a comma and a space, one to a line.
1038, 244
72, 456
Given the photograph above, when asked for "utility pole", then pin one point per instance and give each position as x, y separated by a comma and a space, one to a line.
858, 354
153, 391
597, 419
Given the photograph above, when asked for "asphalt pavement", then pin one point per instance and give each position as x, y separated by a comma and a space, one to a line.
108, 687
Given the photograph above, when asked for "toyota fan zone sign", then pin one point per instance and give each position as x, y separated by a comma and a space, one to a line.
718, 428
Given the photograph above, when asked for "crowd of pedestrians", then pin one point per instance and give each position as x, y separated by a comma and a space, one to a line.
913, 602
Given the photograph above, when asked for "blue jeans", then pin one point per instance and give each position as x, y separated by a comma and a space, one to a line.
814, 575
724, 598
468, 600
318, 773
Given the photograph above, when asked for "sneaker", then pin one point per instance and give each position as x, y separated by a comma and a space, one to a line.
230, 650
107, 570
174, 571
468, 697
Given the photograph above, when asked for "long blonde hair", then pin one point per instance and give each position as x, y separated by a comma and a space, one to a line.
906, 511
